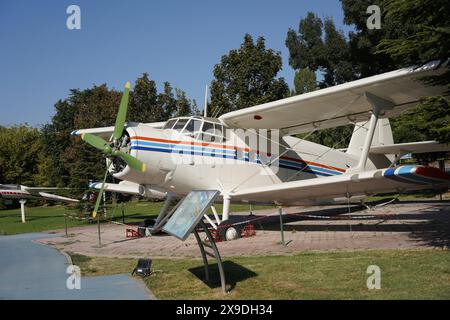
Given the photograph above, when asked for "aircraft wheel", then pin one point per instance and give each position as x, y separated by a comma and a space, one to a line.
231, 233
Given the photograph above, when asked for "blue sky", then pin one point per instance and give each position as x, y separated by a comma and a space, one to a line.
175, 41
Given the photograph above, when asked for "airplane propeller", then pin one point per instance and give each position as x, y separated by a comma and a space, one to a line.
113, 150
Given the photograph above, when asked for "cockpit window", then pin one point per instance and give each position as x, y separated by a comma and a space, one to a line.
169, 124
198, 127
180, 124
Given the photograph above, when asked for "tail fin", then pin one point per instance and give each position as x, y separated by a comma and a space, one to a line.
382, 136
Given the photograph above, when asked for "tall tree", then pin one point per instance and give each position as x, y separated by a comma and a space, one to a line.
20, 147
304, 81
363, 41
320, 47
427, 38
55, 136
143, 103
183, 104
167, 102
247, 77
305, 48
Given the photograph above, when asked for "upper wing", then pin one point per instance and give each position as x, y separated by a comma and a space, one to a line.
411, 147
106, 132
364, 183
338, 105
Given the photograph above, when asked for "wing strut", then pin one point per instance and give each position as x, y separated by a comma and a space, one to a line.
378, 105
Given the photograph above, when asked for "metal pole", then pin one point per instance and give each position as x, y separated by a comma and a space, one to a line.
123, 214
65, 224
205, 108
99, 237
442, 167
22, 209
280, 211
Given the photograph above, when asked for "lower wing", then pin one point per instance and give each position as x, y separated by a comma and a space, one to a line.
366, 183
54, 197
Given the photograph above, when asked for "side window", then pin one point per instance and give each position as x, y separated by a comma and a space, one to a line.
219, 131
211, 132
208, 128
192, 127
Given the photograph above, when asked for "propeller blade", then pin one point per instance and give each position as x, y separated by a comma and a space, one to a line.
97, 142
122, 114
131, 161
100, 193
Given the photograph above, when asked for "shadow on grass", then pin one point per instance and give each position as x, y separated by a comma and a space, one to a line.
234, 273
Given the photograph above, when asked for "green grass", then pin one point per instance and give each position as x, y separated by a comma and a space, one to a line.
405, 274
424, 195
52, 217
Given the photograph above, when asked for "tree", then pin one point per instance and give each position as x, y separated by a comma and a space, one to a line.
304, 81
144, 106
167, 102
319, 46
183, 104
430, 120
412, 32
305, 48
363, 42
55, 137
246, 77
427, 39
20, 147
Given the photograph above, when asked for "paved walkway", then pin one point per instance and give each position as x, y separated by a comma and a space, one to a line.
402, 225
29, 270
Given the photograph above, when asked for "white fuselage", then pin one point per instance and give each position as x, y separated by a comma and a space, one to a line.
179, 163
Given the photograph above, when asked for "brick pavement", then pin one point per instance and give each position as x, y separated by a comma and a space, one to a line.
400, 225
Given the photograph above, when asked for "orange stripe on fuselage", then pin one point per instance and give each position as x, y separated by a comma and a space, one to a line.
213, 145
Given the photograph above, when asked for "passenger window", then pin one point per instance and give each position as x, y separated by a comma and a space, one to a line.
208, 128
219, 130
193, 126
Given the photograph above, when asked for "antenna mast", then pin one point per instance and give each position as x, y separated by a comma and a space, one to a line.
205, 108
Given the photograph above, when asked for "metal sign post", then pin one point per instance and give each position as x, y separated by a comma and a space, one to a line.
215, 254
65, 224
186, 217
280, 211
22, 209
99, 237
